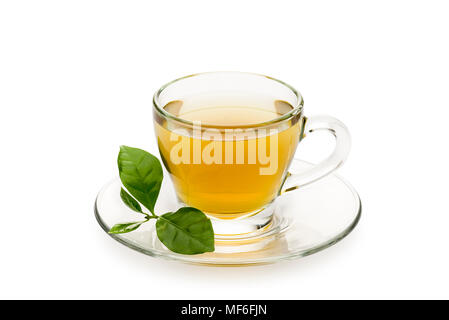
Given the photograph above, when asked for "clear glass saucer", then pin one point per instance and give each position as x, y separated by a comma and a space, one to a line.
306, 221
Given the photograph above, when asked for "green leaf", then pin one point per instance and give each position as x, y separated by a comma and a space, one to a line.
186, 231
126, 227
141, 173
130, 201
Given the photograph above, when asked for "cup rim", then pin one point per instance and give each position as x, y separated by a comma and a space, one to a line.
296, 109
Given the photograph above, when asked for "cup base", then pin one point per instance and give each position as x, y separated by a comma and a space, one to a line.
246, 225
304, 221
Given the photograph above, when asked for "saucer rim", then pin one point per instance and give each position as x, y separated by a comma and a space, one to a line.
196, 259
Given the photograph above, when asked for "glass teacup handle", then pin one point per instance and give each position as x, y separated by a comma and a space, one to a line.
332, 162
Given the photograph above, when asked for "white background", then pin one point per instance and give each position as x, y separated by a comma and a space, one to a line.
76, 81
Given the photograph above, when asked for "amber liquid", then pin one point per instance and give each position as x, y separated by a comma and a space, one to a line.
230, 188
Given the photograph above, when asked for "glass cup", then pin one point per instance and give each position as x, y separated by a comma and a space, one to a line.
227, 140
